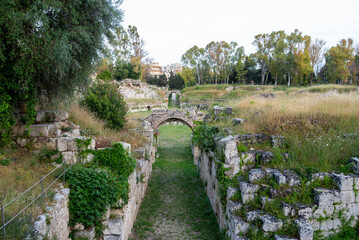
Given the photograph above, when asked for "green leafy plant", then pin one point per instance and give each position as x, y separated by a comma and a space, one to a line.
107, 103
203, 136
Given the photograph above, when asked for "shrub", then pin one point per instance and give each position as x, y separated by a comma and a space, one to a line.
106, 102
117, 159
203, 136
105, 75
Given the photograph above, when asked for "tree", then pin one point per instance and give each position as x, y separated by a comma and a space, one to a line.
160, 81
262, 43
339, 60
175, 81
316, 52
125, 70
188, 75
194, 57
48, 48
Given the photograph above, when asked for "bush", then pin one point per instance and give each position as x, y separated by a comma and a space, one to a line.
105, 75
127, 70
159, 81
203, 136
117, 159
106, 102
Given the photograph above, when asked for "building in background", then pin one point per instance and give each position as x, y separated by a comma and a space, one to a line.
157, 70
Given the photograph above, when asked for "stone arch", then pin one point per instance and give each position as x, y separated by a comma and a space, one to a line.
160, 117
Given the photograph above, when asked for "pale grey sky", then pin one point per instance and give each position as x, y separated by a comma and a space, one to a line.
170, 27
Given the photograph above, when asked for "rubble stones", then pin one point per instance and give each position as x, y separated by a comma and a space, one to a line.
270, 223
345, 183
219, 110
277, 141
238, 121
256, 175
355, 164
306, 231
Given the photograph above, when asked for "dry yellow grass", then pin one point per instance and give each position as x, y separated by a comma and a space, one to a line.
264, 112
95, 128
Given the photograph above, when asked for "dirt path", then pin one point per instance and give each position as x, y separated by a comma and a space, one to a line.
175, 205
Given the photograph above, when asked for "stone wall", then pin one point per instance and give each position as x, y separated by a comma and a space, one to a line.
329, 209
54, 222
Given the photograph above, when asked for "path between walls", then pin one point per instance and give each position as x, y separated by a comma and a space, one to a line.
175, 205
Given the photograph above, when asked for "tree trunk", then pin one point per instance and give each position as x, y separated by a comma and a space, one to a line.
266, 82
288, 79
199, 79
276, 80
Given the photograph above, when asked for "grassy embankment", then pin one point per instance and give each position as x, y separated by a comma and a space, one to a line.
175, 205
20, 168
314, 123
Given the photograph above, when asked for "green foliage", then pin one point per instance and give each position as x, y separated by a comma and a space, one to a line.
105, 75
48, 48
92, 190
117, 159
175, 81
242, 148
159, 81
48, 156
203, 136
127, 70
107, 103
83, 148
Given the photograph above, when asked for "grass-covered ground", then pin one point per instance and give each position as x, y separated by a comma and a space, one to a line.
175, 205
315, 120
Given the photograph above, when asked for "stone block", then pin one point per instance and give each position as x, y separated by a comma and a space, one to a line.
39, 130
112, 237
139, 153
21, 142
288, 210
253, 215
232, 207
237, 225
71, 144
277, 141
231, 192
304, 211
229, 147
306, 231
323, 211
292, 178
270, 223
324, 197
51, 116
86, 233
69, 157
62, 144
280, 178
248, 188
355, 164
347, 197
114, 226
256, 175
126, 146
263, 200
238, 121
218, 110
344, 182
18, 130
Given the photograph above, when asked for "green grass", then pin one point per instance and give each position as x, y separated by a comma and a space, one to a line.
175, 205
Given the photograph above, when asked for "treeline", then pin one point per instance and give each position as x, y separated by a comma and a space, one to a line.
280, 58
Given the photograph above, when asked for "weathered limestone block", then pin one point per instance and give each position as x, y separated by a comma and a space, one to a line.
253, 215
304, 211
292, 178
126, 146
266, 157
248, 191
41, 142
319, 176
39, 130
288, 210
306, 231
231, 192
237, 226
345, 183
114, 227
51, 116
280, 178
238, 121
86, 233
347, 197
218, 110
18, 130
232, 169
324, 197
69, 157
62, 144
277, 141
232, 207
270, 223
324, 211
256, 175
355, 164
139, 153
229, 147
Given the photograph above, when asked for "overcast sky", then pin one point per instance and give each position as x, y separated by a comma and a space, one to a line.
171, 27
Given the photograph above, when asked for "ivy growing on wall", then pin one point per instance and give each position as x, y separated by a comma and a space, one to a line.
99, 184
